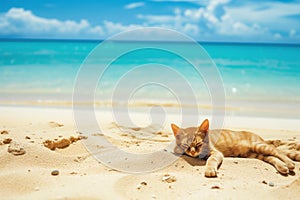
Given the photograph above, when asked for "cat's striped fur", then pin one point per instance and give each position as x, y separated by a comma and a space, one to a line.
213, 145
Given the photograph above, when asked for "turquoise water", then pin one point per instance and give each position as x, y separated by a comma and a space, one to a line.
254, 76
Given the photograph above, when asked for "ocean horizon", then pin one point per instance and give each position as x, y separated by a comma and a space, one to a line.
258, 78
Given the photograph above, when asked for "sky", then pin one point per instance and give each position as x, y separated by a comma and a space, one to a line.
276, 21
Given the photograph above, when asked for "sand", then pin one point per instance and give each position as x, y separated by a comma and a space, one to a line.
71, 172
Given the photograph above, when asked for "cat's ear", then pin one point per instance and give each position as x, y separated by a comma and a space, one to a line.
204, 126
175, 129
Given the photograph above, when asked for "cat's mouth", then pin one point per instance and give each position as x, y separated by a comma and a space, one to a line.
193, 153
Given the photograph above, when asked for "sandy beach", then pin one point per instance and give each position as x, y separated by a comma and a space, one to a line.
92, 94
71, 172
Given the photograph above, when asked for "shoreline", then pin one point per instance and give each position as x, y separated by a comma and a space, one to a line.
269, 109
69, 110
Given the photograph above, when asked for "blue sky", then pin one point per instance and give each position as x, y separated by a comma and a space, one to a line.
204, 20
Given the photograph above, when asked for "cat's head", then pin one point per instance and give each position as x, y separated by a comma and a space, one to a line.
192, 141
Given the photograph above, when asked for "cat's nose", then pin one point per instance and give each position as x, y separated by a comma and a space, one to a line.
193, 150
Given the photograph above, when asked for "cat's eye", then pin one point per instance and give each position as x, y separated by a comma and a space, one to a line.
185, 146
199, 144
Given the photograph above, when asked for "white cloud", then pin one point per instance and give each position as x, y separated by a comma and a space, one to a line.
227, 26
97, 30
221, 19
23, 23
157, 19
189, 21
18, 21
292, 33
194, 14
274, 15
192, 29
212, 20
113, 28
176, 22
134, 5
152, 34
277, 36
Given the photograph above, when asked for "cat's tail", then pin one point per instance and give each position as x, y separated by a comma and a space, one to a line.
291, 145
275, 143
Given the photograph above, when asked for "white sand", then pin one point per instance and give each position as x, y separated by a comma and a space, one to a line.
81, 176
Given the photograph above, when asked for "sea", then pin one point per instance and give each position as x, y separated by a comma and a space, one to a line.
251, 79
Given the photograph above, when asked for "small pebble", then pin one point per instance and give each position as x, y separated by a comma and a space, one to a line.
7, 140
144, 183
168, 178
236, 162
215, 187
4, 132
55, 173
271, 184
27, 138
264, 182
141, 184
16, 149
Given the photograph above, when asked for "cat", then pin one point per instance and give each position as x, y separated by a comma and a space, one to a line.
213, 145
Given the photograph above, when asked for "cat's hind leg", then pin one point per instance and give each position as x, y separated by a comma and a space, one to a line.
277, 163
268, 150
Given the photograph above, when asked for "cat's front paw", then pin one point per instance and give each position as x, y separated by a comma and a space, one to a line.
178, 150
210, 172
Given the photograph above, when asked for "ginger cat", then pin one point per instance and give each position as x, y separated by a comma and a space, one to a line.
213, 145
